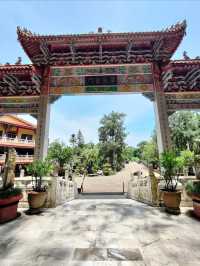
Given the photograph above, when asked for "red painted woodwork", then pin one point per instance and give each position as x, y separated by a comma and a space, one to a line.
180, 79
98, 48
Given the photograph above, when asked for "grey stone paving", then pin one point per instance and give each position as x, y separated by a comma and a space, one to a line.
101, 232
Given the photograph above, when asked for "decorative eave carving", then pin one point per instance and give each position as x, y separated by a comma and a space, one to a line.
16, 80
182, 75
161, 46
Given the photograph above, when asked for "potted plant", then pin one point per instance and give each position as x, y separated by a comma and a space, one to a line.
171, 195
37, 196
9, 195
193, 190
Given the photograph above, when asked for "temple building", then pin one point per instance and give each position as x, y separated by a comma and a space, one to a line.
20, 134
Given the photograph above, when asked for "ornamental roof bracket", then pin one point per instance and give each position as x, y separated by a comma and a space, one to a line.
12, 82
158, 48
45, 51
129, 48
37, 82
73, 52
100, 51
166, 77
193, 77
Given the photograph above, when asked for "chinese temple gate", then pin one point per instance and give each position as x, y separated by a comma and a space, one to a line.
101, 63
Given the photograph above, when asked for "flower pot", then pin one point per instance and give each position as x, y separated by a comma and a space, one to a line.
36, 200
8, 208
172, 201
196, 204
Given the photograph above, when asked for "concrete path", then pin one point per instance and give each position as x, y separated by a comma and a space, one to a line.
112, 183
112, 232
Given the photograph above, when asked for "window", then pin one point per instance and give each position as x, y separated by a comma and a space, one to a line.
26, 137
11, 135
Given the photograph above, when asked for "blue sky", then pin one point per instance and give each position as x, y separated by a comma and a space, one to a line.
70, 113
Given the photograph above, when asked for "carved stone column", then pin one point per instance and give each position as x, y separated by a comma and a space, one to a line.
161, 116
42, 134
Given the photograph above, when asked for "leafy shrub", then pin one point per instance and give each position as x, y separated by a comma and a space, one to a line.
39, 169
10, 192
107, 170
187, 157
192, 187
170, 165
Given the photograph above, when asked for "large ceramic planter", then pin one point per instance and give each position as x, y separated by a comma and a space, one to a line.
36, 200
196, 204
172, 201
8, 208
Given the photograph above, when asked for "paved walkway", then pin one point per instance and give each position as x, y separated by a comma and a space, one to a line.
112, 232
112, 183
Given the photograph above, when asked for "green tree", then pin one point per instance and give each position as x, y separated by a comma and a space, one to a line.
150, 153
112, 136
60, 154
91, 156
130, 154
73, 140
185, 128
186, 159
80, 139
147, 151
140, 148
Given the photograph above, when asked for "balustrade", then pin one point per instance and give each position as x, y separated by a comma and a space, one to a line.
19, 158
18, 141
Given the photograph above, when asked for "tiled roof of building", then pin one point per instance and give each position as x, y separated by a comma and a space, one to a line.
16, 121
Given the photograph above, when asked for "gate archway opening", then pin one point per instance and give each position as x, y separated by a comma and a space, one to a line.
70, 114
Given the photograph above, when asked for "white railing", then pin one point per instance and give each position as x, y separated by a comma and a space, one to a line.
19, 158
59, 190
16, 140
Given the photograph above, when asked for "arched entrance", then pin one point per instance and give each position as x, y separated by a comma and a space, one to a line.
100, 63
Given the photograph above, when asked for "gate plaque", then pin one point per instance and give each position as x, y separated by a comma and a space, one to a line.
101, 79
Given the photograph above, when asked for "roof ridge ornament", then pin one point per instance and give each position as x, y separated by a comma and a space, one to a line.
24, 31
185, 56
175, 27
19, 61
100, 30
180, 25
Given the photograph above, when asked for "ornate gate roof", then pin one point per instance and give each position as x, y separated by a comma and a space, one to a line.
20, 85
102, 48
